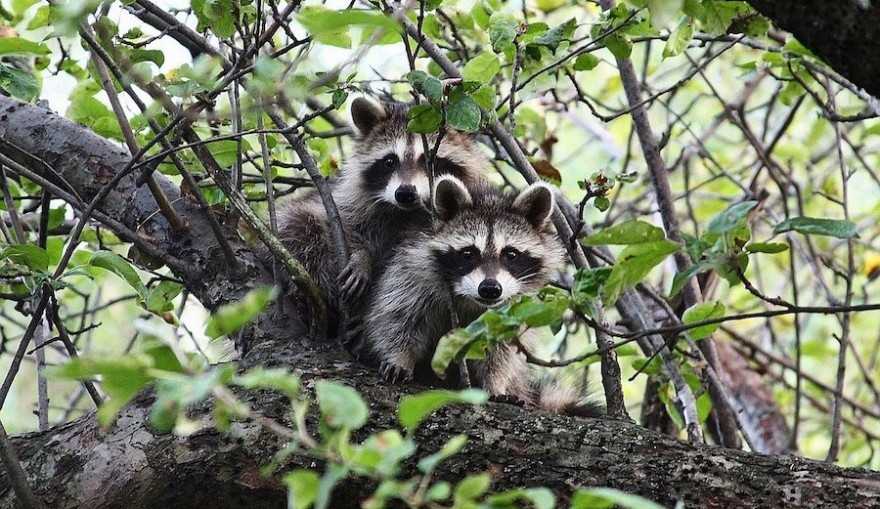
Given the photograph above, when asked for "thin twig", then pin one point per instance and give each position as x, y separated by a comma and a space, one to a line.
16, 473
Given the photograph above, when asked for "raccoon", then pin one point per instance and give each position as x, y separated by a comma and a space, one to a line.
383, 191
484, 248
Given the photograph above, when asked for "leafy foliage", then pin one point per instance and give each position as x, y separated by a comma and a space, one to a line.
767, 193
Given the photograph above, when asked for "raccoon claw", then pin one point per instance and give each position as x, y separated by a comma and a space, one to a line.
353, 279
510, 399
393, 373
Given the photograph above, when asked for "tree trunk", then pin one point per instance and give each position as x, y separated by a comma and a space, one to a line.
131, 465
842, 33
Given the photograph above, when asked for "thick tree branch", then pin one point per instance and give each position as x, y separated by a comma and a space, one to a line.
68, 465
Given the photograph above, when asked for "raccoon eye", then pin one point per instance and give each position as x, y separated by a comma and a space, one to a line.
510, 254
467, 253
390, 161
443, 166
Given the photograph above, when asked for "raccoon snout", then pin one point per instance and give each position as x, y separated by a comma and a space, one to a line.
406, 194
489, 289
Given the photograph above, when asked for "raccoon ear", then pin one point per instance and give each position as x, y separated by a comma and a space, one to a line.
535, 203
366, 112
450, 197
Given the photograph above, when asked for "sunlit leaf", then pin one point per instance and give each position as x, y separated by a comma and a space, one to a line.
700, 312
341, 406
628, 232
414, 409
231, 317
118, 265
839, 228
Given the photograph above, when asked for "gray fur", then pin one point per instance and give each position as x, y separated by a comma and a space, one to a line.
414, 304
373, 225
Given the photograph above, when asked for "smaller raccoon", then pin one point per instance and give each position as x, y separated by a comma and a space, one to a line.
382, 192
484, 248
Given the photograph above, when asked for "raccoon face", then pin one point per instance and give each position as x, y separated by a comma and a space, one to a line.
490, 247
390, 160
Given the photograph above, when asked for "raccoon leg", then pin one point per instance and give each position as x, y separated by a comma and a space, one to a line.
354, 278
504, 374
405, 318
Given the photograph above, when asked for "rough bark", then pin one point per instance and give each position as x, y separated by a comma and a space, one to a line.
842, 33
131, 465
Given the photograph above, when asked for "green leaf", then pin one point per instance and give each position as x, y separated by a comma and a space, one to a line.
173, 396
19, 84
108, 260
449, 449
19, 6
427, 85
424, 119
464, 115
482, 68
717, 15
260, 377
412, 410
471, 487
160, 298
633, 265
586, 62
704, 406
121, 377
484, 97
600, 498
231, 317
218, 15
144, 55
681, 278
626, 233
700, 312
95, 115
679, 38
651, 366
541, 310
320, 21
619, 46
766, 247
302, 488
382, 453
839, 228
555, 36
332, 475
40, 18
731, 218
29, 255
338, 98
502, 32
341, 406
539, 498
16, 46
449, 347
226, 152
585, 290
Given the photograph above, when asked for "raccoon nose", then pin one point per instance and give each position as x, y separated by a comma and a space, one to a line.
489, 289
406, 194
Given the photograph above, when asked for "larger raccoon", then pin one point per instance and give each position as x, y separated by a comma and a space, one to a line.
484, 248
383, 190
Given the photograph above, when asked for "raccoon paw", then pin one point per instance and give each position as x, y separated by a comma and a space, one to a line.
354, 278
510, 399
393, 373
